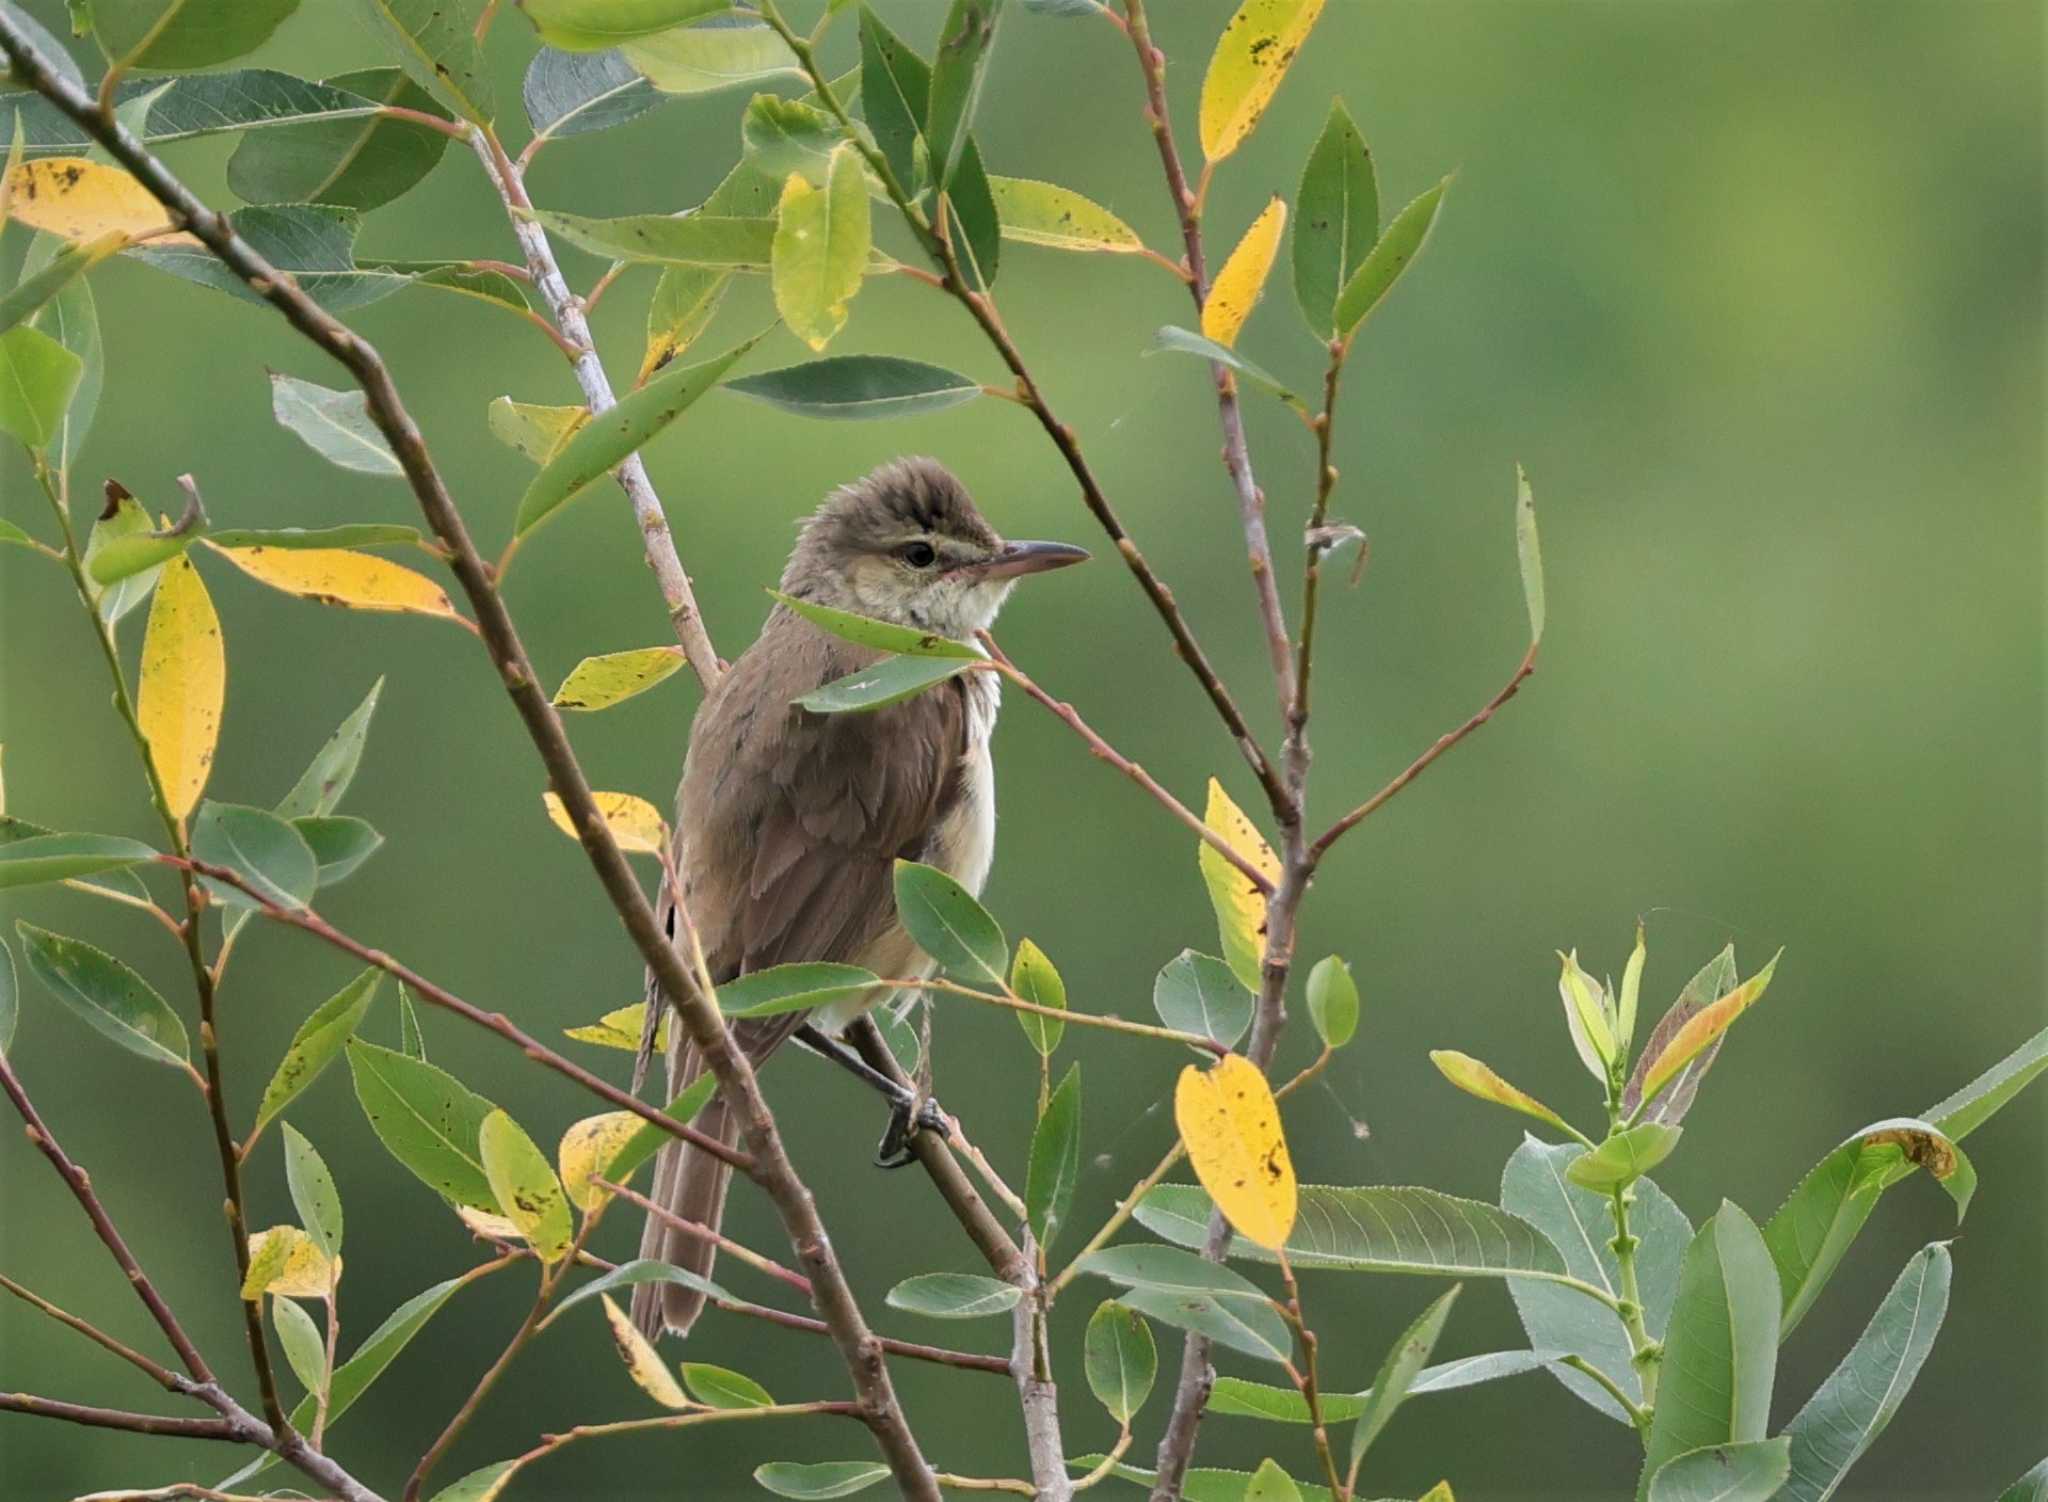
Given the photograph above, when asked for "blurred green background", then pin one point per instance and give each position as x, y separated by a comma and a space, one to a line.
1754, 290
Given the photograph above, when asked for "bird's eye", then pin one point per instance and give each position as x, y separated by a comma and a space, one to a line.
919, 555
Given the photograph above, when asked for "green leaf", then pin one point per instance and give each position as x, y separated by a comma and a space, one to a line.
1203, 1483
105, 993
630, 1274
122, 535
37, 379
1033, 978
44, 858
317, 1043
953, 1296
1529, 553
459, 279
38, 287
825, 1478
10, 999
1120, 1359
781, 136
1336, 219
1055, 1165
685, 300
949, 925
304, 1347
890, 681
335, 425
525, 1187
320, 786
1405, 236
865, 631
537, 432
348, 535
1333, 1001
435, 42
792, 988
1254, 1328
1624, 1156
360, 161
1196, 993
820, 250
484, 1484
1722, 1352
312, 241
693, 239
427, 1120
1271, 1484
569, 93
1170, 1268
2032, 1487
1752, 1471
1851, 1408
313, 1193
1974, 1104
586, 25
72, 319
859, 386
1284, 1405
1038, 213
1715, 979
721, 1387
603, 443
650, 1138
977, 226
1187, 342
1403, 1364
614, 677
705, 59
965, 40
339, 844
169, 35
263, 850
895, 91
411, 1041
1579, 1223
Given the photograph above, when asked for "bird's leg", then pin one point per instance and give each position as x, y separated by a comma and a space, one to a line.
909, 1113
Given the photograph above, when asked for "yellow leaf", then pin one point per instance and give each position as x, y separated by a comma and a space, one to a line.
1251, 58
601, 682
1235, 292
1702, 1028
337, 576
820, 252
524, 1182
588, 1148
285, 1260
1441, 1492
642, 1361
1231, 1124
1240, 906
621, 1029
634, 823
537, 432
184, 682
485, 1224
1476, 1078
1036, 213
78, 199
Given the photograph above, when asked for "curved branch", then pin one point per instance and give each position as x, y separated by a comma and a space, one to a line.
115, 1418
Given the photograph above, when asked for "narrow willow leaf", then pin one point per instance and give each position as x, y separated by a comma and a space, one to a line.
1254, 1328
339, 576
1285, 1405
339, 844
685, 299
107, 994
484, 1484
313, 1193
1974, 1104
822, 236
684, 1108
37, 288
705, 59
965, 39
587, 1150
317, 1043
412, 1041
1240, 906
585, 25
1722, 1351
721, 1387
977, 227
524, 1183
621, 1029
459, 279
72, 319
1333, 1001
1585, 1015
953, 1296
949, 925
1197, 994
359, 161
82, 200
435, 41
614, 677
568, 93
427, 1120
883, 635
1624, 1156
695, 239
643, 1363
304, 1347
1038, 213
183, 685
1529, 552
632, 1274
1033, 978
1715, 978
1406, 234
1120, 1359
859, 386
299, 539
1055, 1165
37, 379
167, 35
791, 988
636, 824
1235, 291
1231, 1124
1852, 1407
315, 242
333, 768
2032, 1487
895, 90
10, 999
1477, 1078
265, 851
604, 442
817, 1481
1251, 58
1702, 1031
44, 858
1752, 1471
538, 432
1336, 219
1185, 342
1403, 1364
335, 425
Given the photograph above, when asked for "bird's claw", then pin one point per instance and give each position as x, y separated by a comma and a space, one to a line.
908, 1117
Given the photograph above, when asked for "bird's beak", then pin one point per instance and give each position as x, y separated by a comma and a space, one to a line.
1019, 558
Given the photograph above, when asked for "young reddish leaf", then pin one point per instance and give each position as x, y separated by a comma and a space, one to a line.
184, 683
1251, 58
1702, 1029
1231, 1124
1236, 289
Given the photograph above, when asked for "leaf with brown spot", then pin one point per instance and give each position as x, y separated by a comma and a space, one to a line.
1235, 292
529, 1195
77, 199
634, 822
649, 1372
338, 576
1251, 58
1231, 1124
1240, 906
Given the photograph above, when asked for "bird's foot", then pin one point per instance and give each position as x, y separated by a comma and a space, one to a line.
907, 1117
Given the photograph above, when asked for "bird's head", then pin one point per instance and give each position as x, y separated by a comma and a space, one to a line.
906, 544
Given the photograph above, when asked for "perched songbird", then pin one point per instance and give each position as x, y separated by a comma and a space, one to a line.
788, 823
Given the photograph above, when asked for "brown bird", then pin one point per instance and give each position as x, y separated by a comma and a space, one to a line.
788, 823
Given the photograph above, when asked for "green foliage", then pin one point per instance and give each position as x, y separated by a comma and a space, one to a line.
859, 387
949, 925
813, 1483
1055, 1159
336, 425
427, 1120
313, 1193
1196, 993
38, 377
268, 853
105, 993
1033, 979
1336, 219
1333, 1001
1120, 1359
1397, 1374
721, 1387
953, 1296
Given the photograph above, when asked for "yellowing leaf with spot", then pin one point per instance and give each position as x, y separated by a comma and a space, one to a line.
485, 1224
1240, 906
78, 199
634, 823
587, 1150
1231, 1124
1250, 59
620, 1028
528, 1193
1036, 213
337, 576
643, 1361
184, 683
820, 252
601, 682
1702, 1028
1477, 1078
285, 1260
1235, 292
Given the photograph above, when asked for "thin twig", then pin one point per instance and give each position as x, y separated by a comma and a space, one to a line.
739, 1250
1307, 1379
165, 1378
116, 1418
1083, 1019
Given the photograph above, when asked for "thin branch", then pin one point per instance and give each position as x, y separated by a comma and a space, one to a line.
165, 1378
115, 1418
1308, 1381
581, 349
938, 1355
1083, 1019
742, 1252
1295, 751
